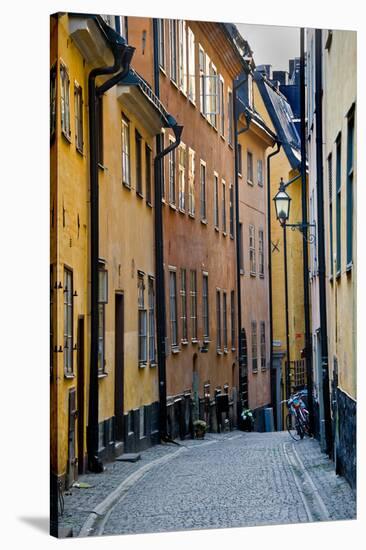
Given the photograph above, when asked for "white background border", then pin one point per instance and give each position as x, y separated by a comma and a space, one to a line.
24, 272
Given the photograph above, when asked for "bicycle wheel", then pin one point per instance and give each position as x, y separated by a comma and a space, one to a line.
292, 427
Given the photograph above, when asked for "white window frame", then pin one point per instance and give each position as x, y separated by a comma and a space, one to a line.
173, 307
172, 180
162, 44
182, 49
262, 343
142, 332
218, 321
205, 308
223, 203
252, 263
202, 74
261, 252
78, 114
126, 151
183, 304
173, 65
230, 117
203, 191
191, 182
216, 201
191, 66
222, 105
254, 342
224, 321
260, 178
193, 303
68, 322
151, 320
65, 101
181, 177
250, 167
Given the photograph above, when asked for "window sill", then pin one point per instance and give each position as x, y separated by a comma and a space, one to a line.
153, 365
204, 221
217, 229
191, 215
255, 371
261, 275
142, 365
192, 102
194, 341
231, 236
162, 69
182, 211
218, 352
349, 267
206, 341
174, 83
102, 375
331, 279
80, 151
69, 376
249, 182
68, 138
175, 350
222, 137
172, 206
139, 194
102, 166
225, 351
242, 272
253, 274
260, 185
230, 145
148, 203
184, 342
185, 94
338, 275
240, 175
126, 185
233, 349
224, 233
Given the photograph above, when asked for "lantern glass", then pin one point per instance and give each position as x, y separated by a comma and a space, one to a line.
282, 204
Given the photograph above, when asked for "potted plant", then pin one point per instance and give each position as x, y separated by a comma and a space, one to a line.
248, 420
199, 427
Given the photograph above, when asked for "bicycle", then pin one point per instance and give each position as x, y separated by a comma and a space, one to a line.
297, 419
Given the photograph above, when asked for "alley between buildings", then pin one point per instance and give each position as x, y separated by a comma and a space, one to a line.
232, 479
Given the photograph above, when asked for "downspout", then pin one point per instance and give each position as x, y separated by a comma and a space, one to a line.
121, 53
287, 370
321, 244
160, 283
308, 346
239, 244
269, 253
159, 245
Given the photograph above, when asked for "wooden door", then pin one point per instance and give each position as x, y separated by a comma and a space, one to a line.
119, 365
80, 394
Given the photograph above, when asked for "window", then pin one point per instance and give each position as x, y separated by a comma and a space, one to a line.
121, 26
330, 184
350, 156
260, 253
173, 308
218, 320
161, 145
222, 107
172, 198
216, 200
241, 243
205, 310
126, 172
138, 144
232, 320
161, 31
254, 347
193, 295
181, 176
102, 300
212, 93
183, 298
191, 66
224, 319
230, 116
202, 74
151, 298
250, 167
263, 344
338, 202
224, 206
148, 156
65, 102
252, 250
240, 160
68, 321
100, 129
250, 90
173, 49
78, 96
260, 172
183, 56
53, 75
203, 189
231, 210
142, 320
191, 176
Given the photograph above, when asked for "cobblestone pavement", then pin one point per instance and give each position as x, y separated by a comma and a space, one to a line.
233, 479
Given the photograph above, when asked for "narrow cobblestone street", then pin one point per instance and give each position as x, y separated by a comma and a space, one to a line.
233, 479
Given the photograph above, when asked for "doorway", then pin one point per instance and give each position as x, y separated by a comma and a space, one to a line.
80, 393
119, 365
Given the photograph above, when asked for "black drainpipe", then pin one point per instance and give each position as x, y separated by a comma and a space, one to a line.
308, 346
239, 244
159, 248
269, 252
122, 58
321, 245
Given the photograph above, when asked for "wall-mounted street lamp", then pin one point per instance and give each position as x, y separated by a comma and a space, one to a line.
282, 204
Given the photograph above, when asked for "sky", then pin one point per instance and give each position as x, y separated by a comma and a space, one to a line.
272, 45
